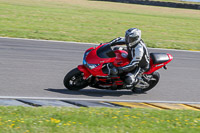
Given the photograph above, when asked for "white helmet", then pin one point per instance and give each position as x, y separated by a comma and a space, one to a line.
132, 36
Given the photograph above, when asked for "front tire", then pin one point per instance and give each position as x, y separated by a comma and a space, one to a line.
74, 80
152, 83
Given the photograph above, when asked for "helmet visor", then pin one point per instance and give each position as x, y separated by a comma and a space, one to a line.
132, 39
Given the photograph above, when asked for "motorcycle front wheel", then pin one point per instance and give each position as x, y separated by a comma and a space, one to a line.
74, 80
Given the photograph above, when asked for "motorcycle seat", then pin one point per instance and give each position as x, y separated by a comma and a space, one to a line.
158, 58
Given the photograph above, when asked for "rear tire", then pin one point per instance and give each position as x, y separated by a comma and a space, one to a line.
152, 83
74, 80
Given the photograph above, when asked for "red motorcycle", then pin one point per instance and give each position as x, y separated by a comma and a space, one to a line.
96, 70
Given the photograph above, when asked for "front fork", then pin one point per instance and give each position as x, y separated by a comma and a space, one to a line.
83, 69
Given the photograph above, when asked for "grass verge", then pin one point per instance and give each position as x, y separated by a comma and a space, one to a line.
98, 21
96, 120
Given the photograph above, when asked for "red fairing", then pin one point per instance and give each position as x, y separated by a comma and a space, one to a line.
154, 67
92, 57
118, 61
83, 69
170, 57
121, 58
97, 71
89, 49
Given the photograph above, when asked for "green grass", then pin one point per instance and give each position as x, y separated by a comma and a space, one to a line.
97, 22
97, 120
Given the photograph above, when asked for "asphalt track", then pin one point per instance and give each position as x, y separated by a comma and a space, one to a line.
36, 68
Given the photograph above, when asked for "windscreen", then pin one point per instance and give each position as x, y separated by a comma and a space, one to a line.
105, 52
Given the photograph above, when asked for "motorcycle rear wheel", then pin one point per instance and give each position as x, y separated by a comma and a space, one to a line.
152, 83
74, 80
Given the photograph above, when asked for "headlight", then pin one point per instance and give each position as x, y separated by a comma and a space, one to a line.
91, 66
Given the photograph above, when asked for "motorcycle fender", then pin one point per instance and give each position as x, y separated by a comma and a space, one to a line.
83, 69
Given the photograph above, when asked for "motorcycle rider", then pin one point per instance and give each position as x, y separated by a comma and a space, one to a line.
137, 54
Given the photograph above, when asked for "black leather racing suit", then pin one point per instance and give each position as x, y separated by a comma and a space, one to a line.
139, 59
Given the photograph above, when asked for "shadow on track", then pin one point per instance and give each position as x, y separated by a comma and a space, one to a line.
94, 92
